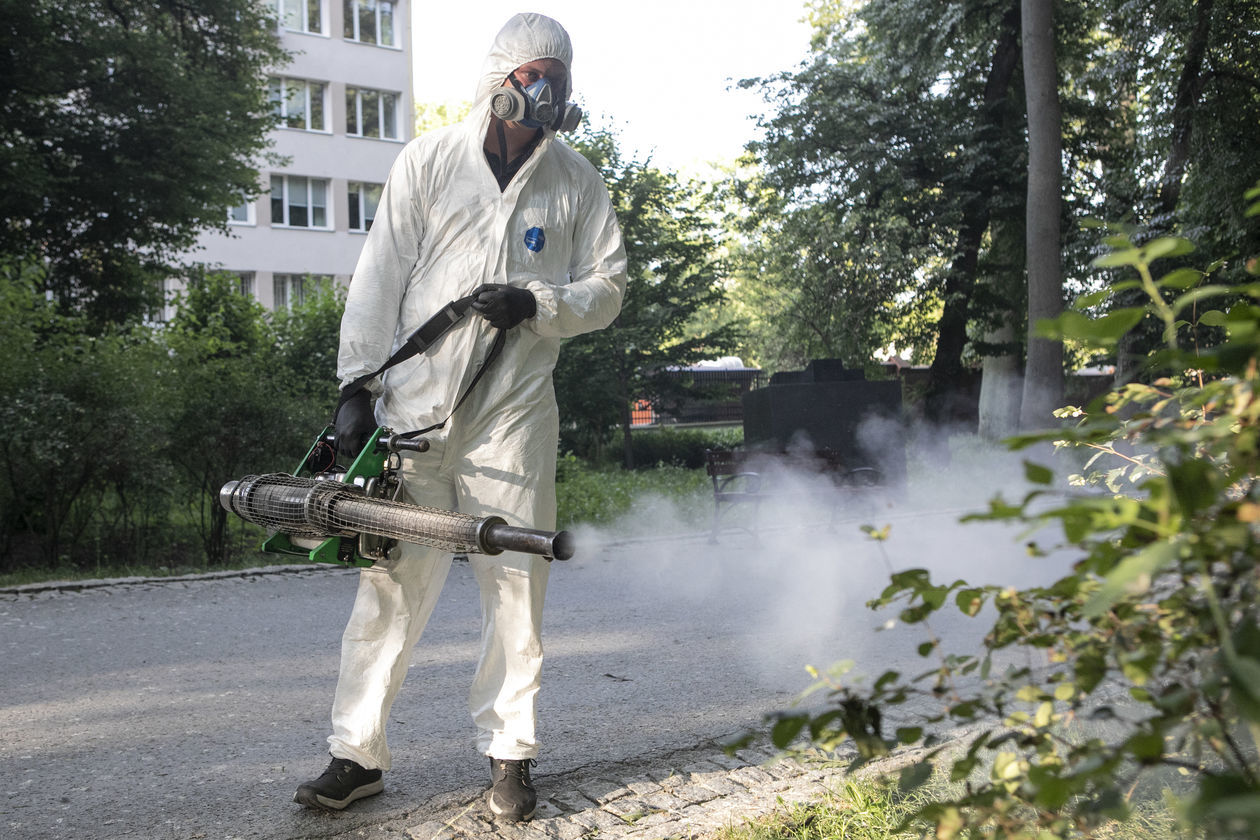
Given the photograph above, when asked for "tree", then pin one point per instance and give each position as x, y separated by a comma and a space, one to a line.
673, 275
127, 128
1043, 376
906, 125
907, 136
80, 480
229, 401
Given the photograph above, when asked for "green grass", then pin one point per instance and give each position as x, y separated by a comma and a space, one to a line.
866, 809
605, 496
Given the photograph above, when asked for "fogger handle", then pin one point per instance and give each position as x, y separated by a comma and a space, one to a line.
398, 443
558, 545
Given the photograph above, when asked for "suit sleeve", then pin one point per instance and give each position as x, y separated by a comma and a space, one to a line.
597, 273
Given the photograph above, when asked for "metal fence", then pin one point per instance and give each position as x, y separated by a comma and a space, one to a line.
708, 395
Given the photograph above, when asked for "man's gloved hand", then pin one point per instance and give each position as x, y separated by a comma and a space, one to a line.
354, 424
504, 306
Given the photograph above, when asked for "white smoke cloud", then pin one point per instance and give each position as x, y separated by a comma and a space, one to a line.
801, 570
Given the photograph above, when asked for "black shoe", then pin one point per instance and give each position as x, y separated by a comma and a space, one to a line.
342, 783
511, 793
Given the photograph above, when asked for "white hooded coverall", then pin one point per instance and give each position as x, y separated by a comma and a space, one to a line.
443, 228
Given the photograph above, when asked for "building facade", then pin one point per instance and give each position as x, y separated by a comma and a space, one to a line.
344, 103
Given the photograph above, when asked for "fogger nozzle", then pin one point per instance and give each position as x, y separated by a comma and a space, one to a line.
306, 507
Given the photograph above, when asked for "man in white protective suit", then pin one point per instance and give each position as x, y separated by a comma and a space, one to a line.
498, 208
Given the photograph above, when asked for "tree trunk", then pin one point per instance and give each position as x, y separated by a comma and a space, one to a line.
1043, 374
1000, 390
1189, 88
945, 375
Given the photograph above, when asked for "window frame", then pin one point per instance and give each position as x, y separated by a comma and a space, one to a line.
352, 31
280, 103
304, 13
354, 110
289, 289
287, 204
357, 202
251, 213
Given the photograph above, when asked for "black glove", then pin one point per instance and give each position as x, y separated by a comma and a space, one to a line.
504, 306
354, 423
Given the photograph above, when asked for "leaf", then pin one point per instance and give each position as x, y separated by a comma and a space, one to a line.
1198, 294
1132, 575
969, 601
785, 730
1166, 246
1181, 278
914, 776
1146, 747
1244, 673
1037, 474
1090, 299
1127, 256
1213, 318
1192, 484
1096, 332
909, 734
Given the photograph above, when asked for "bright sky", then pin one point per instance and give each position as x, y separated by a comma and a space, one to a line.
655, 71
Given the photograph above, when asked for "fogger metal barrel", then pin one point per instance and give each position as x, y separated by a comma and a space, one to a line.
306, 507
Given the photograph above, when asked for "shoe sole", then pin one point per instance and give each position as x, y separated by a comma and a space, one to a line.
500, 811
311, 799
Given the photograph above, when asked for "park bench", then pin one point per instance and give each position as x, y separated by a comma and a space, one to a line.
743, 480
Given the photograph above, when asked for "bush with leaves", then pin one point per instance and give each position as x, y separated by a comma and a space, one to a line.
80, 481
230, 399
1154, 632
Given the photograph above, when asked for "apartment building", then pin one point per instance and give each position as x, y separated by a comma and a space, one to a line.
345, 108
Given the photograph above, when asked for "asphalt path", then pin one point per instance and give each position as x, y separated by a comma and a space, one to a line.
193, 708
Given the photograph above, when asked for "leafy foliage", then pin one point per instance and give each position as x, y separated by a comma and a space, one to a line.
116, 445
1149, 648
80, 428
614, 499
128, 127
884, 202
673, 277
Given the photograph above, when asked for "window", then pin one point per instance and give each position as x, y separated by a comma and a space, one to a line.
300, 15
364, 199
245, 283
371, 22
242, 214
371, 113
290, 290
297, 103
301, 202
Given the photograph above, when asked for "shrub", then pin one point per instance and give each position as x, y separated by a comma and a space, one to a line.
680, 447
600, 496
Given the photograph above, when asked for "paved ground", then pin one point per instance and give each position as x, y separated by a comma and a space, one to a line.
192, 708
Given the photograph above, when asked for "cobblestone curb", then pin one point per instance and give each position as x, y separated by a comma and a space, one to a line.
63, 588
687, 794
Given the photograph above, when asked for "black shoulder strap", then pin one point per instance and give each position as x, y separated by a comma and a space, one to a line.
419, 341
495, 349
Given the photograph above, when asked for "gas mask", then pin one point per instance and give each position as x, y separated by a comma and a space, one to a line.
534, 106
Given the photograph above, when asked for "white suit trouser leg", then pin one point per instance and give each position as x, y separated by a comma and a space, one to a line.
393, 605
